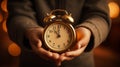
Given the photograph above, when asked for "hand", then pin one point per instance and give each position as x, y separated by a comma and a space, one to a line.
34, 35
83, 38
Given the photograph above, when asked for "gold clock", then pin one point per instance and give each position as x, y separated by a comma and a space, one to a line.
59, 34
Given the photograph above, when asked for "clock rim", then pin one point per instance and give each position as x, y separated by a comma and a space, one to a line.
68, 48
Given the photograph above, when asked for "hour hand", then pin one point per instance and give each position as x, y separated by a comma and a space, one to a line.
56, 31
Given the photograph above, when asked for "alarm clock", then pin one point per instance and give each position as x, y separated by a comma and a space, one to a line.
59, 34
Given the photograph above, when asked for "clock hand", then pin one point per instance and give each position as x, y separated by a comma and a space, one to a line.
58, 32
54, 29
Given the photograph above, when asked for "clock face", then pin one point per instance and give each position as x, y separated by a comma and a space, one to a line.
59, 36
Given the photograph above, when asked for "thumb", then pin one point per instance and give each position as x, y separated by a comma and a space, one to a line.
39, 44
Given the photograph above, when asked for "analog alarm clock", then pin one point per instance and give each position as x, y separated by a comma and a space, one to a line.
59, 34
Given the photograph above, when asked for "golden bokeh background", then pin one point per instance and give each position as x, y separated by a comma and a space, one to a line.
10, 52
13, 49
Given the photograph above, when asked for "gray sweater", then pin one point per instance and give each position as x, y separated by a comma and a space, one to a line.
24, 14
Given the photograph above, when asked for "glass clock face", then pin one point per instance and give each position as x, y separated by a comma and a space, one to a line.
59, 37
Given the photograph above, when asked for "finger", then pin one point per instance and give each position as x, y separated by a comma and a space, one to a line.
63, 57
55, 56
75, 52
39, 44
35, 41
80, 47
77, 46
42, 52
67, 58
48, 54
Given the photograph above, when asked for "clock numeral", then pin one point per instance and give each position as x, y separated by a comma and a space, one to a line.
64, 44
47, 36
58, 46
49, 40
50, 31
68, 41
53, 45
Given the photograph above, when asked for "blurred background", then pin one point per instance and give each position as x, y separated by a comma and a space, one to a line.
106, 55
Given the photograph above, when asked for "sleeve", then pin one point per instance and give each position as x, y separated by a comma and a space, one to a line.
21, 16
96, 18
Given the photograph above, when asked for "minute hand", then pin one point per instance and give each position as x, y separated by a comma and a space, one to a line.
58, 32
54, 28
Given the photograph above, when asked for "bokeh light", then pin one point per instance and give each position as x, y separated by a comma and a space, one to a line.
4, 26
14, 50
4, 5
114, 9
